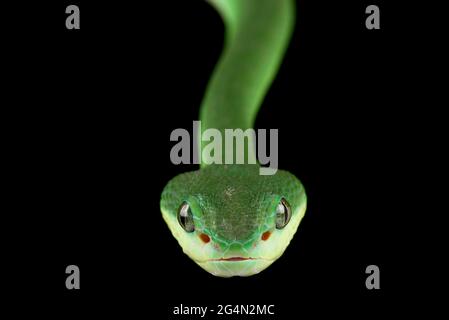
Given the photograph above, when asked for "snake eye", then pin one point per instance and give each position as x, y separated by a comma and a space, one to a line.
185, 217
283, 214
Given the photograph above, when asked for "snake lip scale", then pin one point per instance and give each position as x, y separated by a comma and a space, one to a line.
233, 259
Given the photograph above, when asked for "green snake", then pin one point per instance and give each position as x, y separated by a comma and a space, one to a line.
228, 218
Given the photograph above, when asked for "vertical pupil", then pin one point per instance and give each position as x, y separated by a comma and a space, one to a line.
185, 218
185, 211
282, 214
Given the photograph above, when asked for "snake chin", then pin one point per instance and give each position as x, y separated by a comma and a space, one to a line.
235, 266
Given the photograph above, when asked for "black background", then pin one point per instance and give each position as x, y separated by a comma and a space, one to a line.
93, 111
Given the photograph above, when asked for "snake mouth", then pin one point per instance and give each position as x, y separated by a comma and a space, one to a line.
233, 259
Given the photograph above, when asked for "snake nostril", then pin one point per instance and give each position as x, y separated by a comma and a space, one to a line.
266, 235
204, 237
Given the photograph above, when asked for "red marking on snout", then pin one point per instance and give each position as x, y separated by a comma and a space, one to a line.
266, 235
204, 237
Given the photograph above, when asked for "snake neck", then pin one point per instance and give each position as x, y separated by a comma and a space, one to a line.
257, 34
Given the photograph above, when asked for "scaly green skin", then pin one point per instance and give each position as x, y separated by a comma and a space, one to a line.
234, 205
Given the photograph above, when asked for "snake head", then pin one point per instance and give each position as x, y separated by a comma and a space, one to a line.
232, 221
